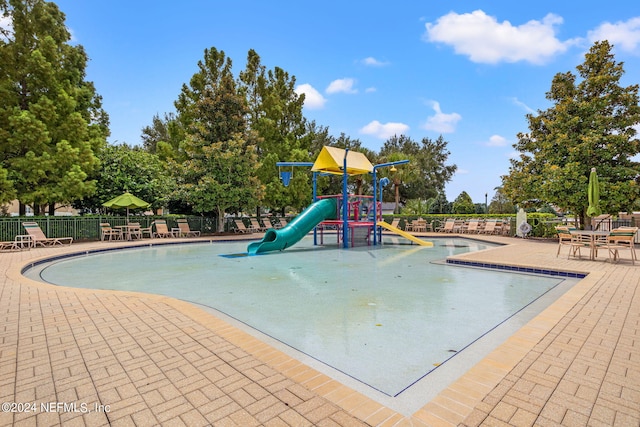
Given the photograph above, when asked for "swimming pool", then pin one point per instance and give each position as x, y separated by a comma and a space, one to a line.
386, 315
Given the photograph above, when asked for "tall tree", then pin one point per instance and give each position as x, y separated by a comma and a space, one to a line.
51, 118
219, 150
275, 115
429, 169
125, 168
591, 124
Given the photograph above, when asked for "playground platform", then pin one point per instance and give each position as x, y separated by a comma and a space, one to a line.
137, 359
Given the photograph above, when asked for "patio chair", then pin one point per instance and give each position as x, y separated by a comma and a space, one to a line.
255, 225
19, 243
147, 230
109, 233
622, 239
240, 227
39, 238
161, 229
184, 230
564, 237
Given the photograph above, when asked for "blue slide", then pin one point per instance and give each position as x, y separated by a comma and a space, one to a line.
289, 235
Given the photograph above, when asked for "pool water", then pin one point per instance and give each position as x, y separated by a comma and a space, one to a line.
384, 315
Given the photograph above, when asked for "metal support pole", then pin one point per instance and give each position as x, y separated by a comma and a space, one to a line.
345, 201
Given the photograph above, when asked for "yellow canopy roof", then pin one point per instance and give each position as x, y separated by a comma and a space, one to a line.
331, 160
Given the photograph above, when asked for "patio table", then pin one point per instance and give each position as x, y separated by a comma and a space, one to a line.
592, 237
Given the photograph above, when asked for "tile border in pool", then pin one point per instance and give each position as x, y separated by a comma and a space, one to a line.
517, 269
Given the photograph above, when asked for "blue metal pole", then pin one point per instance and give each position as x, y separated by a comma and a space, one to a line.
375, 209
345, 201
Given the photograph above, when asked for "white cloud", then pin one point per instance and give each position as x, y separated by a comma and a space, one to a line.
313, 99
623, 35
524, 106
341, 85
373, 62
496, 141
370, 90
485, 40
384, 130
441, 122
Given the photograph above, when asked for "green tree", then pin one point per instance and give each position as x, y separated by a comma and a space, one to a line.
51, 119
218, 172
591, 124
429, 164
500, 203
125, 168
275, 115
463, 204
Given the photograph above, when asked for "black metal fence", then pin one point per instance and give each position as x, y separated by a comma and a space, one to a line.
88, 227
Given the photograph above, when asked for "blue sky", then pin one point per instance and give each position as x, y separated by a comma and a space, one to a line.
469, 71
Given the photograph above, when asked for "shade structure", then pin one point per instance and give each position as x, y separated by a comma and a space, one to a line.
126, 201
331, 160
594, 194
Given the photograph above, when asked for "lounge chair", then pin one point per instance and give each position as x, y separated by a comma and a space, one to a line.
448, 226
184, 230
240, 227
109, 233
492, 226
161, 229
19, 243
472, 226
622, 239
39, 238
255, 225
278, 223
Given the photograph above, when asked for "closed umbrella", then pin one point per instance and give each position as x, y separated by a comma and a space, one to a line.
126, 201
594, 195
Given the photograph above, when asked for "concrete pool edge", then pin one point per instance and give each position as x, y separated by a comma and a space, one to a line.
451, 406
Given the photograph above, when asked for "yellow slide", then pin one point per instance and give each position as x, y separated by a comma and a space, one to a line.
404, 234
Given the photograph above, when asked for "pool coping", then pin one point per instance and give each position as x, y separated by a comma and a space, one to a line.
450, 407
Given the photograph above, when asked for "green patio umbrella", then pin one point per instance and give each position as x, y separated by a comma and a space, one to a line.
594, 195
126, 201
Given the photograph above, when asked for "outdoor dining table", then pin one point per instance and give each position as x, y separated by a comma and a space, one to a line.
592, 236
129, 230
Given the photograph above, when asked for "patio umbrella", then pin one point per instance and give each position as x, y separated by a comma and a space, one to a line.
126, 201
594, 195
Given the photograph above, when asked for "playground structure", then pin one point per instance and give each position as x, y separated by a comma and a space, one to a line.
351, 216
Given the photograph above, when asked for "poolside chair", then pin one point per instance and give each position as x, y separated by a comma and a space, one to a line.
564, 237
448, 226
109, 233
240, 227
471, 226
19, 243
278, 223
621, 239
147, 230
39, 238
184, 230
255, 225
161, 229
491, 227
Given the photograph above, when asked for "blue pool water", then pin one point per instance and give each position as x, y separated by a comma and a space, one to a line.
384, 315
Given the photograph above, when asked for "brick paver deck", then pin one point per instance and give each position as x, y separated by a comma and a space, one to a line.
87, 357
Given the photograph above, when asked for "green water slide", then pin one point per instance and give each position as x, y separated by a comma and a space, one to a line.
289, 235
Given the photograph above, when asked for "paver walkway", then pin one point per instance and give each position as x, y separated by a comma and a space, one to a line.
86, 357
